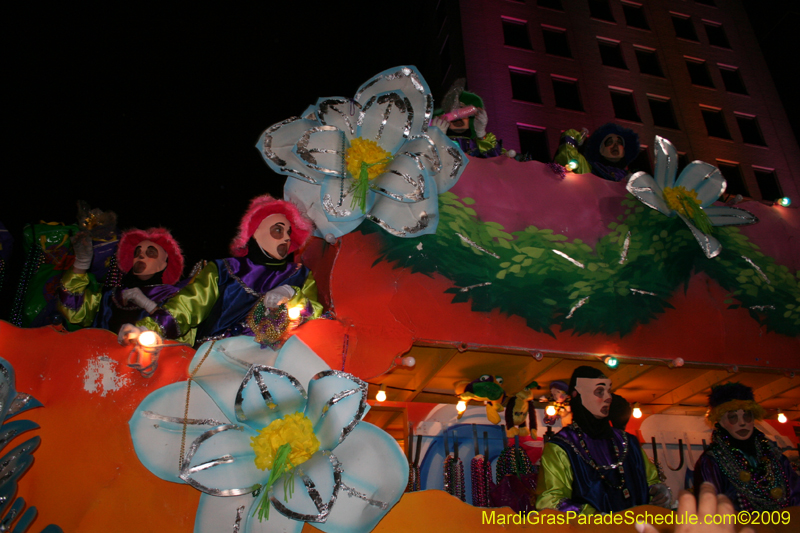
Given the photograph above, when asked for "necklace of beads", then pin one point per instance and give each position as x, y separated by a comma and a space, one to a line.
600, 469
454, 477
513, 461
759, 487
480, 472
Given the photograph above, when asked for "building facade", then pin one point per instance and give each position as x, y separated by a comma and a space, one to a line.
690, 71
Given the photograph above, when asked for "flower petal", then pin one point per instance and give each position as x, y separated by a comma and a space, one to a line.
158, 422
337, 402
342, 113
666, 162
337, 201
396, 105
245, 395
322, 149
729, 216
235, 513
705, 179
316, 485
296, 358
277, 145
406, 220
644, 187
711, 246
322, 210
375, 474
405, 178
452, 159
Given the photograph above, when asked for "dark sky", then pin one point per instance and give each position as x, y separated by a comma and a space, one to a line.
154, 113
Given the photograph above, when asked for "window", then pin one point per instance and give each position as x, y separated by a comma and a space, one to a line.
715, 122
524, 86
684, 29
648, 61
551, 4
624, 104
661, 109
716, 34
634, 16
533, 143
751, 133
567, 94
732, 173
683, 160
768, 183
732, 79
599, 9
515, 33
611, 53
555, 41
641, 162
698, 72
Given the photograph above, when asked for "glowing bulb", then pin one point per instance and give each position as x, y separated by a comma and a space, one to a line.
381, 396
637, 412
572, 165
550, 410
610, 361
782, 417
148, 338
785, 201
461, 406
294, 312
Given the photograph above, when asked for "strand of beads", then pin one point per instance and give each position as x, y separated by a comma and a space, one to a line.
32, 262
480, 481
454, 477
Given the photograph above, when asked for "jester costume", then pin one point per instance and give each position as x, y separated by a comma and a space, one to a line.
602, 167
469, 141
588, 467
223, 299
752, 472
83, 301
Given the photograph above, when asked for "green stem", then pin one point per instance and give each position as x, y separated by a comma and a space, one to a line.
279, 466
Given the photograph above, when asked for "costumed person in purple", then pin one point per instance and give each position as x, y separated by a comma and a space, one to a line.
589, 467
259, 292
610, 150
741, 462
151, 262
464, 119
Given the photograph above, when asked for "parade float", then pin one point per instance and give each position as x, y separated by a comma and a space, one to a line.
446, 279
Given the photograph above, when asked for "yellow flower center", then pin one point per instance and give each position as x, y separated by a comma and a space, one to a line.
293, 429
366, 151
680, 200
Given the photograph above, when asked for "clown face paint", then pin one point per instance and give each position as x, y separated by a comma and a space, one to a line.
595, 395
738, 423
460, 125
274, 235
558, 395
148, 259
613, 148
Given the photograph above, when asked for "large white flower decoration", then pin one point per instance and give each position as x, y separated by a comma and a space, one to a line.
689, 197
215, 432
371, 156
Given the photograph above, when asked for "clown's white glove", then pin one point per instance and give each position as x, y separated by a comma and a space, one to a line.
278, 295
660, 495
442, 124
480, 123
82, 246
136, 296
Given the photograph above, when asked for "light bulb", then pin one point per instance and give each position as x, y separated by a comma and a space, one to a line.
381, 396
294, 312
550, 410
572, 165
785, 201
461, 406
782, 417
148, 338
637, 412
611, 361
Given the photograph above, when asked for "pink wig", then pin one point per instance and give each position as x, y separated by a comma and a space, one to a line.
131, 239
260, 208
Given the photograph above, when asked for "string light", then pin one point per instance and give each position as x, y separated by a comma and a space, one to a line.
782, 417
381, 396
637, 411
550, 410
461, 406
611, 361
294, 312
148, 339
572, 165
785, 201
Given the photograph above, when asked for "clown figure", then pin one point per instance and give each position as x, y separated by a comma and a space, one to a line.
151, 262
260, 291
468, 131
610, 150
740, 461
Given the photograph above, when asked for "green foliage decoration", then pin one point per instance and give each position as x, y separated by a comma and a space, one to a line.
625, 281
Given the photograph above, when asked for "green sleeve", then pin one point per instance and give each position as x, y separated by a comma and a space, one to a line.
567, 152
307, 294
178, 317
555, 480
650, 470
74, 286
